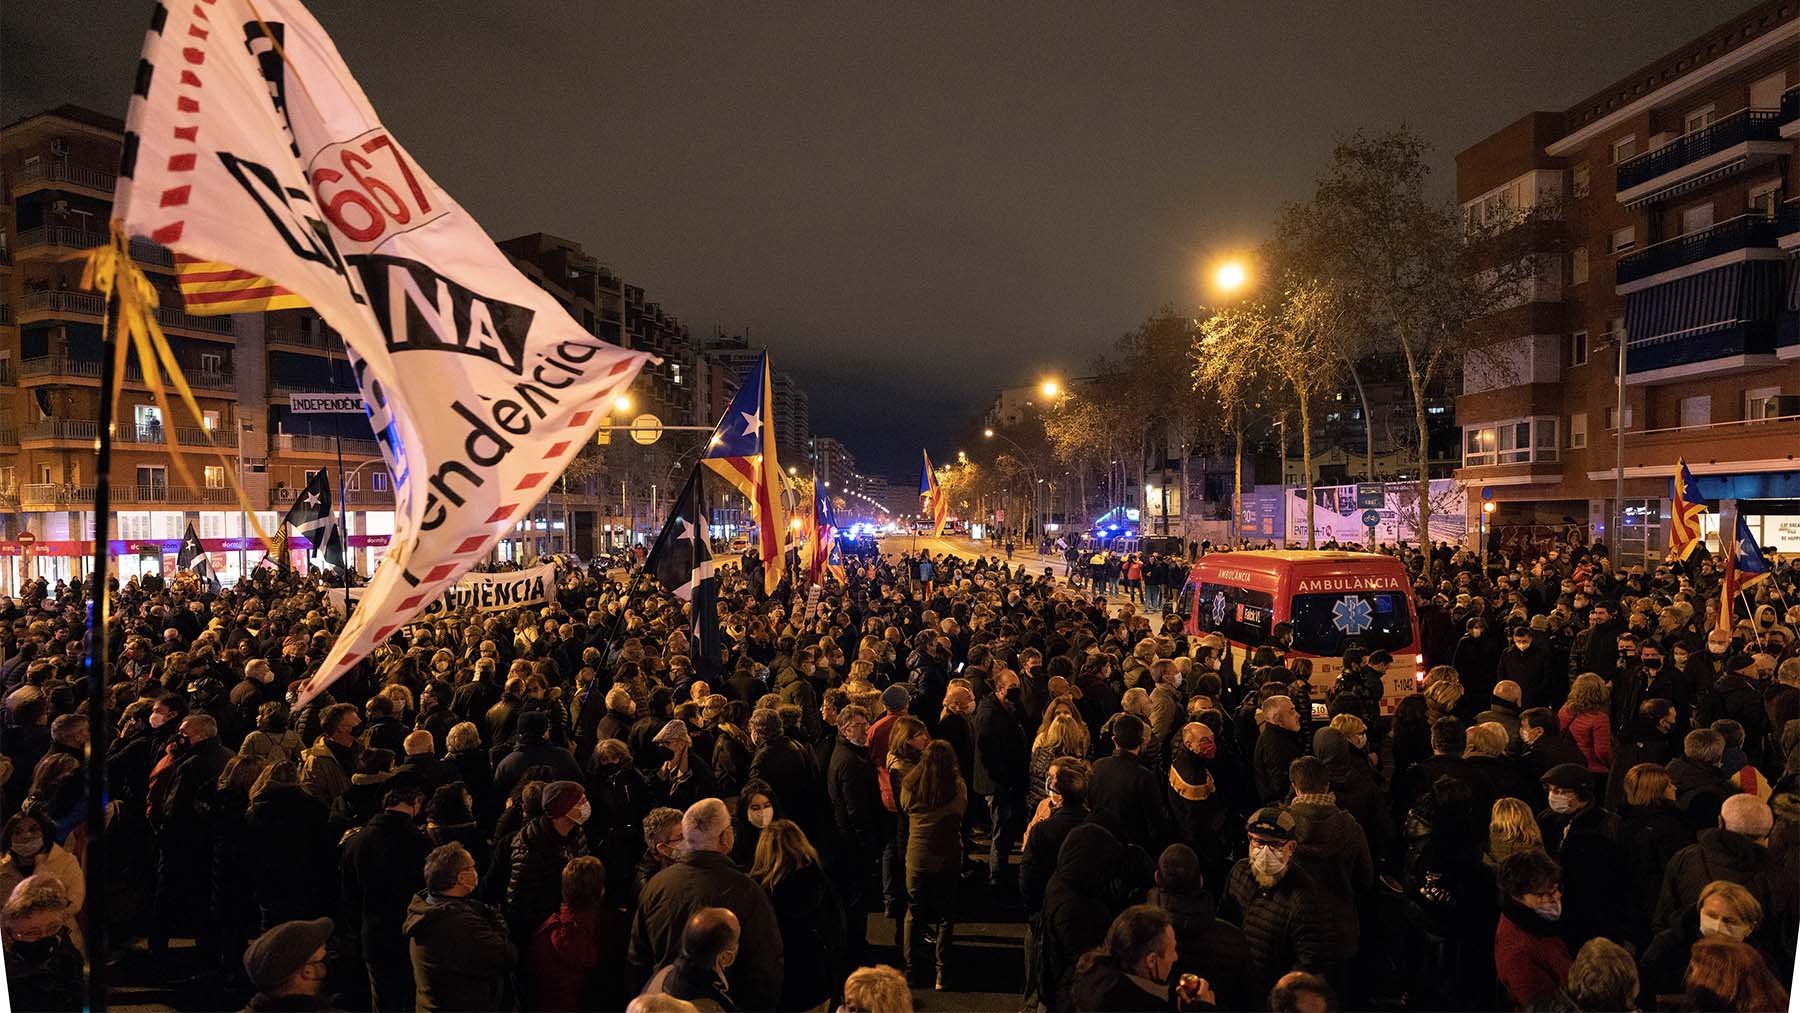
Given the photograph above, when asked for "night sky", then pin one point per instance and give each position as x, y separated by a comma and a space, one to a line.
912, 205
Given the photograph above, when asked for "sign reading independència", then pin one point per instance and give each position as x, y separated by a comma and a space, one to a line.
479, 592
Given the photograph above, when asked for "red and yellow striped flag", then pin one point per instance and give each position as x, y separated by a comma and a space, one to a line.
211, 289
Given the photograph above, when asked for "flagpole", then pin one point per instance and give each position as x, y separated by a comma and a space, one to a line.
98, 660
343, 510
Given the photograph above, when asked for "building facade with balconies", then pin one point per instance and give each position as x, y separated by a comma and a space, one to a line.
1675, 193
59, 169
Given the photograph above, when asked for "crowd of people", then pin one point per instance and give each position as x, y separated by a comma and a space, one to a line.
1591, 803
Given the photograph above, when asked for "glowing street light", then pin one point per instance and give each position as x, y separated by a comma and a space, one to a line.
1230, 276
622, 403
989, 433
1050, 388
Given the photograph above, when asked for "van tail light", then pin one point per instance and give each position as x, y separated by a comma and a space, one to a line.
1419, 676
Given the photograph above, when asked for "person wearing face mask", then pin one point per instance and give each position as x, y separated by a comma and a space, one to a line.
26, 849
380, 868
1583, 837
287, 967
755, 811
1651, 676
1290, 920
43, 965
1725, 910
539, 852
1738, 694
1530, 957
461, 956
1527, 664
1478, 655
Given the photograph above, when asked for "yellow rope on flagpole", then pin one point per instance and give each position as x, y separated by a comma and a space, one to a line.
110, 271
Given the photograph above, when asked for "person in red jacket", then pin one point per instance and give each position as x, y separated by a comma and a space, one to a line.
565, 949
1586, 719
1530, 957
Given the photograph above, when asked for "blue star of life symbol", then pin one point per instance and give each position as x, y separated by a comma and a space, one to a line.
1352, 615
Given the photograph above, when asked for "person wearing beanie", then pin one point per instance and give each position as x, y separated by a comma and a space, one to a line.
286, 965
679, 780
1126, 797
540, 850
533, 749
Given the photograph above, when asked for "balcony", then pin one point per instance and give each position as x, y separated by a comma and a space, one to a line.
1746, 443
1746, 138
1747, 237
1790, 112
145, 252
57, 369
9, 437
54, 175
1787, 224
9, 371
292, 443
1718, 322
53, 430
187, 436
59, 237
6, 315
59, 303
290, 337
54, 496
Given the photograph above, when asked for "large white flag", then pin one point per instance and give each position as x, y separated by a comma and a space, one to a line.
249, 144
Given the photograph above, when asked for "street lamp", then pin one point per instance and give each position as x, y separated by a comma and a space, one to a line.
1230, 276
1050, 388
622, 403
1487, 512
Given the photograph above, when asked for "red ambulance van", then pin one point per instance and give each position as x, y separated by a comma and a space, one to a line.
1326, 598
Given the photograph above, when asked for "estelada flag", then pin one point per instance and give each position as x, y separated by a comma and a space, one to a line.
1745, 566
1685, 534
250, 145
932, 502
742, 451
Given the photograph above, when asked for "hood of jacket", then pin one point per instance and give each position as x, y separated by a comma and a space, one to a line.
1090, 859
1329, 745
426, 910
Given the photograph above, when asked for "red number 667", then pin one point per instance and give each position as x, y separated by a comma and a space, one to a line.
362, 209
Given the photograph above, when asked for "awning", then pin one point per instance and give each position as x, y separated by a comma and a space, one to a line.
1706, 303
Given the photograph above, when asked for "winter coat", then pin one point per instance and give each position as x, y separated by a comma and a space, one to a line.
812, 923
46, 976
792, 772
1639, 742
1718, 854
1540, 685
476, 771
560, 964
933, 836
855, 802
322, 774
1530, 958
1079, 904
534, 878
1213, 949
1649, 838
535, 753
1002, 753
1294, 924
382, 865
1496, 777
1586, 843
1104, 987
291, 842
1275, 749
708, 879
1734, 697
1592, 734
461, 957
1038, 862
1700, 790
1333, 848
1127, 798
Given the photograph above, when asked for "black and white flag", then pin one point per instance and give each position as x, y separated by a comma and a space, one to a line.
682, 556
193, 557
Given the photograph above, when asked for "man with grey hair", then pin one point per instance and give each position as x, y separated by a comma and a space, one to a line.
1737, 850
706, 877
1701, 786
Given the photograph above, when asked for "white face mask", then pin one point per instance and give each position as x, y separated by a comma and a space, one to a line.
1711, 926
158, 719
1551, 911
1562, 804
1268, 861
582, 812
760, 816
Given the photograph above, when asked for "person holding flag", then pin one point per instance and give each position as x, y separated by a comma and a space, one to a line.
822, 536
194, 557
1685, 533
681, 559
742, 451
933, 502
1745, 567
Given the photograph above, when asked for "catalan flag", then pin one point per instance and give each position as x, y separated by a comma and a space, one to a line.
742, 451
210, 289
932, 500
1684, 522
1745, 566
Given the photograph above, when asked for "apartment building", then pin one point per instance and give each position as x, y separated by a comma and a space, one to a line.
793, 413
1676, 189
59, 172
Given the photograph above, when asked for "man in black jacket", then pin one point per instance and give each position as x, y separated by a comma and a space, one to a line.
1278, 745
1290, 920
792, 772
1068, 782
380, 869
1527, 663
457, 945
185, 833
1125, 796
539, 851
1002, 767
1735, 696
857, 811
1544, 743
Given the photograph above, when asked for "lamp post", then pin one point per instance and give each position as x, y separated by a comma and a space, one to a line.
1487, 510
1037, 515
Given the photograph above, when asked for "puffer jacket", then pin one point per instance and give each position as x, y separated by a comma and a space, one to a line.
534, 880
461, 957
1295, 924
1718, 854
1079, 904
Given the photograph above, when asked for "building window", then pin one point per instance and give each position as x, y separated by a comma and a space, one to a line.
1698, 218
1765, 198
1578, 348
1624, 148
1579, 183
152, 480
1698, 119
1766, 93
378, 481
1577, 430
1612, 419
1623, 239
1696, 411
9, 478
1578, 265
210, 362
353, 481
215, 476
1515, 441
147, 416
1762, 403
209, 421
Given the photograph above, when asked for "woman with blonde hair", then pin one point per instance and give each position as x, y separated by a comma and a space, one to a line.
1586, 719
808, 911
1512, 828
1063, 735
878, 989
1725, 910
